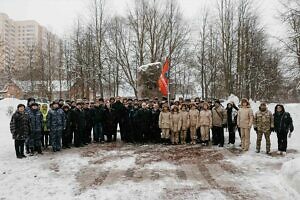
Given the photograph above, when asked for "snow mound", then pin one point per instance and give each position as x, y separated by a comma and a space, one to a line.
290, 173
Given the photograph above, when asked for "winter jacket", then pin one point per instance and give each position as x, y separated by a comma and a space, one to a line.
219, 116
88, 117
263, 121
283, 122
45, 114
98, 114
77, 120
175, 122
109, 121
231, 116
155, 118
36, 120
205, 118
56, 120
245, 117
20, 126
185, 120
143, 118
194, 118
164, 120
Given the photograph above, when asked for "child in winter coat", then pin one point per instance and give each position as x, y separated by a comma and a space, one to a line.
194, 117
244, 122
205, 123
175, 125
20, 129
165, 123
185, 123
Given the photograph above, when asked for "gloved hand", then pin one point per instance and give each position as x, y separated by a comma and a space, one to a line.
272, 130
290, 134
224, 125
255, 128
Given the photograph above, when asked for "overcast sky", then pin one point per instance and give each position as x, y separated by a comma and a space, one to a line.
59, 15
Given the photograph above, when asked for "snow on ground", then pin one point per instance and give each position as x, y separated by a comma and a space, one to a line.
122, 171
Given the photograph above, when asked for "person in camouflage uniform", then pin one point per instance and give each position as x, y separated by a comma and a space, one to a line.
263, 125
36, 125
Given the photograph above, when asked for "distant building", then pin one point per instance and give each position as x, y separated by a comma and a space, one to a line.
17, 37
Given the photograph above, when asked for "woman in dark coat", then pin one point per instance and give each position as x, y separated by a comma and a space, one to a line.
20, 129
283, 124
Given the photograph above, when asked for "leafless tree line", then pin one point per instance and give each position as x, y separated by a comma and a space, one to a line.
229, 54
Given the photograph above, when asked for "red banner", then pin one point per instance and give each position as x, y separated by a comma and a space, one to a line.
164, 78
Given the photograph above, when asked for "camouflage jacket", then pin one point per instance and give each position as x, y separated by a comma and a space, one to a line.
263, 120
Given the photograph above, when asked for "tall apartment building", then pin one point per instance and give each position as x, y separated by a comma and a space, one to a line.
16, 37
7, 42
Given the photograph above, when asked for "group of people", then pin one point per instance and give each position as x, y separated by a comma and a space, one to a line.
77, 123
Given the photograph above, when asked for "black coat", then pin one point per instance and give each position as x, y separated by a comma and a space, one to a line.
98, 114
110, 120
77, 120
143, 119
283, 122
20, 126
88, 117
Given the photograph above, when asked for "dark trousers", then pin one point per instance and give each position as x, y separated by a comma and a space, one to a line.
45, 139
231, 130
218, 135
282, 141
88, 134
78, 137
19, 147
65, 138
98, 132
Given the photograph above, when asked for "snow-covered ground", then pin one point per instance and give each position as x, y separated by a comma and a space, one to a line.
121, 171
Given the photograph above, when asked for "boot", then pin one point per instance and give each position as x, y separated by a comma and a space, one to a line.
39, 150
27, 149
31, 151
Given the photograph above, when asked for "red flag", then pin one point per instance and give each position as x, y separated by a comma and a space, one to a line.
164, 78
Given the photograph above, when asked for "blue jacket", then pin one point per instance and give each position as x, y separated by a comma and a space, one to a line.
56, 120
36, 120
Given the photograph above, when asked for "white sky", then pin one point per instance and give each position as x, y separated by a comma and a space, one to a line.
59, 15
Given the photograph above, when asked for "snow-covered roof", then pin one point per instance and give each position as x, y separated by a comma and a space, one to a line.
26, 85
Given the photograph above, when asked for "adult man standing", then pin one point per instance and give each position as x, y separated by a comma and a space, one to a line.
78, 124
36, 124
56, 123
20, 128
263, 125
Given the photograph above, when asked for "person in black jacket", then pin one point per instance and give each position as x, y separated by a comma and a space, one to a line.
98, 114
133, 123
143, 120
231, 121
119, 112
20, 129
155, 130
127, 135
109, 123
78, 124
67, 131
88, 123
283, 124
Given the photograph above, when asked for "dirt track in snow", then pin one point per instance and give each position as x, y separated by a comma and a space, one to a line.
205, 167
